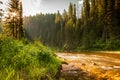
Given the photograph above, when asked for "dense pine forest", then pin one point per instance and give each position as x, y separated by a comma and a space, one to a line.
98, 27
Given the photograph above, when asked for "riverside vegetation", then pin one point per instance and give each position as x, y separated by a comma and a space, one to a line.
22, 60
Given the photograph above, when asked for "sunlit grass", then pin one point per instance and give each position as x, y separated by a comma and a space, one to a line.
21, 60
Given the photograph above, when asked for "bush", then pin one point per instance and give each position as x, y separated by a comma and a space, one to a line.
32, 61
113, 45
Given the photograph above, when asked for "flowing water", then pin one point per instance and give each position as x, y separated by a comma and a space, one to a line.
93, 66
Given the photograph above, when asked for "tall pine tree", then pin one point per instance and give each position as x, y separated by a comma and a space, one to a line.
86, 9
13, 24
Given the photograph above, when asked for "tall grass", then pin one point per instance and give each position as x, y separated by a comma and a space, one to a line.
21, 60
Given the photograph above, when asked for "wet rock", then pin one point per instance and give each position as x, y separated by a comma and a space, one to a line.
72, 72
95, 64
66, 68
64, 63
60, 57
83, 64
65, 59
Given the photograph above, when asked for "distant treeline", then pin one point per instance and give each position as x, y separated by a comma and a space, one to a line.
98, 28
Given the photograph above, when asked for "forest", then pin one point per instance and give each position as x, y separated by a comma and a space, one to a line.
97, 28
61, 46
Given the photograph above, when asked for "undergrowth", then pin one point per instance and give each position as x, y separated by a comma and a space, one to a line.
21, 60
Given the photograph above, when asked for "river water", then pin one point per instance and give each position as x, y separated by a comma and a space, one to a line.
82, 66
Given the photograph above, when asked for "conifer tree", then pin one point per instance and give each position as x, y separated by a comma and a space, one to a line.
58, 24
117, 18
105, 27
70, 11
1, 11
74, 17
64, 22
86, 10
14, 20
20, 28
109, 17
92, 9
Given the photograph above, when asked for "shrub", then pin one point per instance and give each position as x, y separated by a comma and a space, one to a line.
21, 60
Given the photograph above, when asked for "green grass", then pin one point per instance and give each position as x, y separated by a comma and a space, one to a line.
21, 60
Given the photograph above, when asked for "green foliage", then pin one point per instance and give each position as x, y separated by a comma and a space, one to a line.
98, 28
100, 45
113, 45
23, 60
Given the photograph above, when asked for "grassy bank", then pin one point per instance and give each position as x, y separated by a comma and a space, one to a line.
21, 60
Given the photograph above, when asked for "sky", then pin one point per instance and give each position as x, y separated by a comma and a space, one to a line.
32, 7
